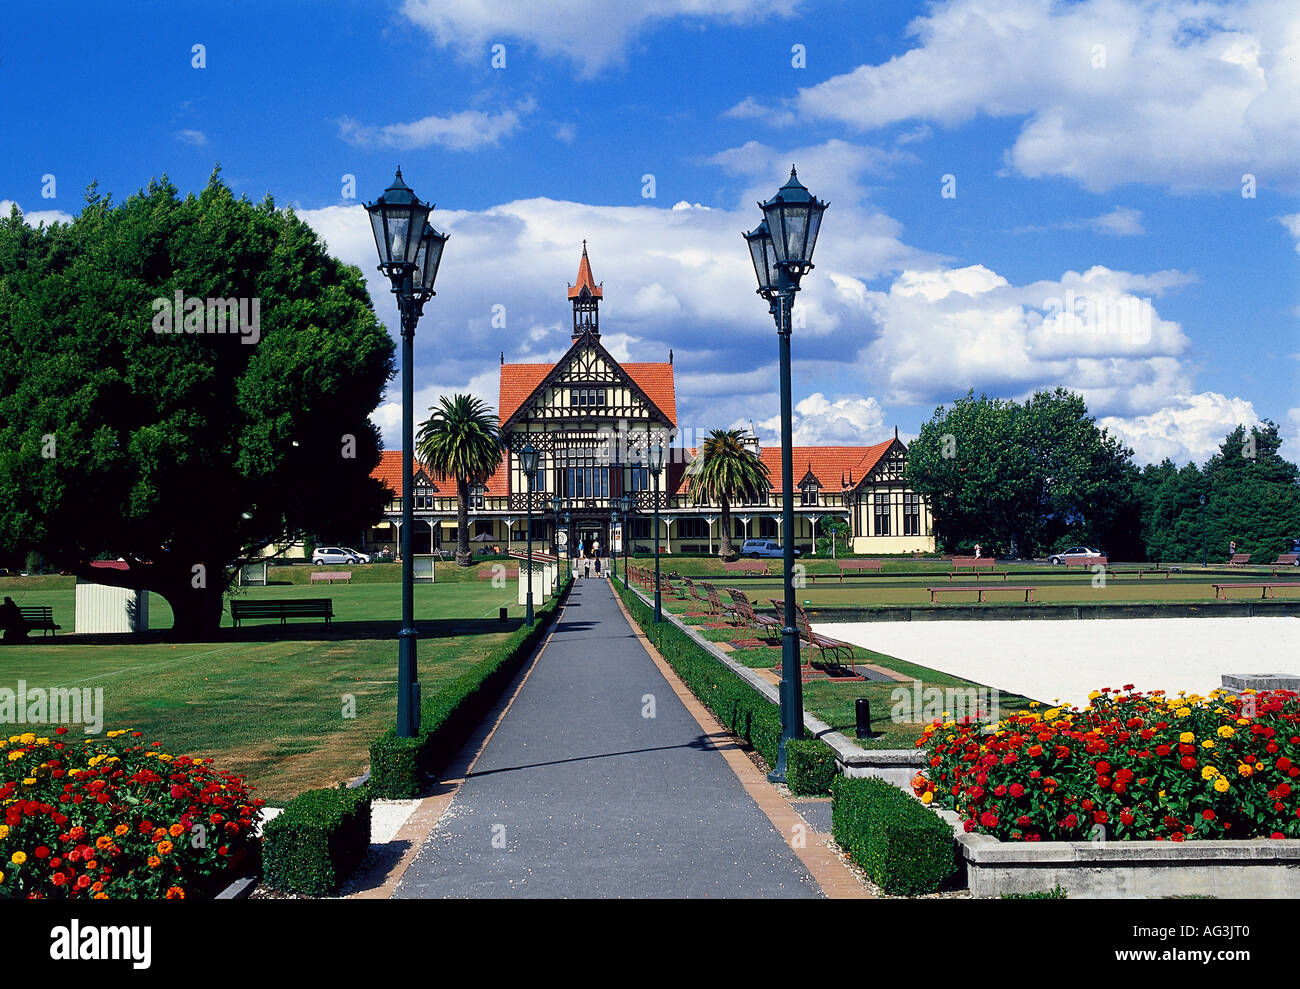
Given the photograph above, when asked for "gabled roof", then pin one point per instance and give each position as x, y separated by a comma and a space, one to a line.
828, 464
520, 381
389, 473
585, 280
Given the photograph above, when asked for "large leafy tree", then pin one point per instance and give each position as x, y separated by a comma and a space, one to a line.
182, 453
461, 440
1035, 475
726, 470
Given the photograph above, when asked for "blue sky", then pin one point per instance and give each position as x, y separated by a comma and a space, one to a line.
1098, 148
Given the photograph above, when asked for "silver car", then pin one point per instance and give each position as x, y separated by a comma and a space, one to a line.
755, 548
1076, 551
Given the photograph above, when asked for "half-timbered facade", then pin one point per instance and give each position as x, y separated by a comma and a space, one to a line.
592, 420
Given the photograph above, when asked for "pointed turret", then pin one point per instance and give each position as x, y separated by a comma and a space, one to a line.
586, 296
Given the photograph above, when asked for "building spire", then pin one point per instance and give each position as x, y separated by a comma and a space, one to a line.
586, 296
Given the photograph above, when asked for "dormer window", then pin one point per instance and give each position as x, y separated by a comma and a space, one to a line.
810, 493
476, 494
423, 496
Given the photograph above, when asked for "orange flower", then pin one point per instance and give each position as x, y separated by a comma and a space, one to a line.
175, 893
154, 861
121, 829
164, 847
176, 830
103, 841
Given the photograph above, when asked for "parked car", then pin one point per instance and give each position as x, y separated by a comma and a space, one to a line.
755, 548
1059, 558
322, 555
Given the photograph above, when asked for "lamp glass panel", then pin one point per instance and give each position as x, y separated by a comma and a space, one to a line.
377, 214
796, 232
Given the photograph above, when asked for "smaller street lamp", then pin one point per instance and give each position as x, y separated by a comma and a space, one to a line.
1202, 531
613, 557
656, 464
626, 502
528, 460
556, 504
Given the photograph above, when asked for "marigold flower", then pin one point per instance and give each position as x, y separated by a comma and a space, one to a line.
176, 830
18, 858
927, 797
164, 847
1221, 784
154, 861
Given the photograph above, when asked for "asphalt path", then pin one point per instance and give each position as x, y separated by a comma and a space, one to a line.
599, 783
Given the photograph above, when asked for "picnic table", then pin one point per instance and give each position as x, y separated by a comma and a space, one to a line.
981, 588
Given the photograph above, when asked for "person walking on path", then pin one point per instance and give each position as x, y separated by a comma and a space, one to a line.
595, 553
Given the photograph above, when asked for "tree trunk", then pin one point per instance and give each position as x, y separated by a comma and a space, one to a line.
463, 556
725, 549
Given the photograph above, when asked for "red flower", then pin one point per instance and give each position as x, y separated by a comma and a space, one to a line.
1017, 790
1187, 762
1207, 814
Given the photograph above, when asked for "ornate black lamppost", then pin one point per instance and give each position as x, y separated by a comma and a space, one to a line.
613, 557
556, 504
626, 502
410, 251
656, 464
781, 248
528, 460
1202, 531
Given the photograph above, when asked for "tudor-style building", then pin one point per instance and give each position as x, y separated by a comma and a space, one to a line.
592, 420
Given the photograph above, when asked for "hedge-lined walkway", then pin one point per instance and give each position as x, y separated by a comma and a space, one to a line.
577, 794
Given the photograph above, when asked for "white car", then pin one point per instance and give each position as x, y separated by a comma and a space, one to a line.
1077, 551
322, 555
755, 548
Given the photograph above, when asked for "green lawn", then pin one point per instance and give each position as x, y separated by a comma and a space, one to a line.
267, 701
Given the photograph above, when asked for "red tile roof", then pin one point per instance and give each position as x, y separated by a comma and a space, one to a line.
518, 381
829, 464
585, 280
389, 472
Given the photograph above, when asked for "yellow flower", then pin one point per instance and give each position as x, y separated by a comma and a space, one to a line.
1208, 743
27, 738
15, 755
18, 858
4, 831
119, 731
2, 877
1222, 784
1208, 772
1245, 769
30, 781
1187, 738
1260, 766
164, 757
1227, 731
1183, 712
927, 797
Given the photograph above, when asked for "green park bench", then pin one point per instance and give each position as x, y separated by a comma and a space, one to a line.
39, 617
283, 610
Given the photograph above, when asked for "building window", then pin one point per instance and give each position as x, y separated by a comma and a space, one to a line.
882, 514
586, 482
423, 497
589, 398
476, 492
911, 514
640, 528
766, 527
485, 527
520, 532
692, 529
810, 493
639, 479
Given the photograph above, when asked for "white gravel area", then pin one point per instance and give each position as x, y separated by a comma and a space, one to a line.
1067, 660
386, 818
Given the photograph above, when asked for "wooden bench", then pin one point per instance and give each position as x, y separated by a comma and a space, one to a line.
1239, 559
859, 566
981, 588
973, 563
1221, 590
1085, 561
745, 566
39, 616
329, 576
283, 610
1286, 560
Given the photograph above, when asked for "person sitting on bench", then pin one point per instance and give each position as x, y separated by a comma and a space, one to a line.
11, 622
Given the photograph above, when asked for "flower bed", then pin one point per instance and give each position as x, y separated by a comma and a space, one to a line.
1130, 766
116, 818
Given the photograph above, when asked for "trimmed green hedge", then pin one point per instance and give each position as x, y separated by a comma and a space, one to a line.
731, 699
810, 767
904, 847
317, 841
449, 716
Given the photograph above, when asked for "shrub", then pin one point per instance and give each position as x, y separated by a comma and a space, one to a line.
741, 708
449, 716
317, 841
903, 846
1139, 766
115, 817
810, 767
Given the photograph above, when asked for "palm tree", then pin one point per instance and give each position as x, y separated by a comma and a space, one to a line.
461, 440
723, 470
